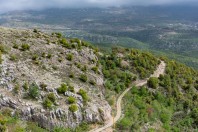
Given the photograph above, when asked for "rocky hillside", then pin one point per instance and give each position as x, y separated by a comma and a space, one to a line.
64, 83
51, 80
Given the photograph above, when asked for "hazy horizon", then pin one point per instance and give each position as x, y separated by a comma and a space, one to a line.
11, 5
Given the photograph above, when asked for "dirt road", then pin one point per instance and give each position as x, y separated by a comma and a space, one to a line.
160, 70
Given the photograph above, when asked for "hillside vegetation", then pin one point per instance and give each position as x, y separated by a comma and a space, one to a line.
167, 103
52, 83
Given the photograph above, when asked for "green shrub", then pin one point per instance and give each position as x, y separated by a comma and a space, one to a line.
2, 128
78, 65
194, 115
71, 89
153, 82
49, 56
71, 100
34, 91
35, 31
43, 54
124, 124
84, 68
36, 62
71, 75
165, 117
83, 94
33, 127
35, 57
66, 45
69, 57
16, 88
83, 77
13, 57
51, 97
61, 129
59, 35
2, 48
62, 89
63, 40
73, 108
25, 47
75, 40
85, 44
95, 69
47, 103
15, 46
25, 86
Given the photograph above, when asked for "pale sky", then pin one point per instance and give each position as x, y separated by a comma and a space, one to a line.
10, 5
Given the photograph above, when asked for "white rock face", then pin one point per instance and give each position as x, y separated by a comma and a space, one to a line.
50, 72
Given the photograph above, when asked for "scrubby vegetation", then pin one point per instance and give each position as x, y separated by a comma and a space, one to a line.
25, 47
62, 89
83, 77
14, 124
84, 95
73, 108
71, 100
119, 67
172, 107
153, 82
167, 103
34, 91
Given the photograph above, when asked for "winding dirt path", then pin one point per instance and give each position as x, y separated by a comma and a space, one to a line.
160, 70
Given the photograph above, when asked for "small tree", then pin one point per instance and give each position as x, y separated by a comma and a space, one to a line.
34, 90
47, 103
153, 82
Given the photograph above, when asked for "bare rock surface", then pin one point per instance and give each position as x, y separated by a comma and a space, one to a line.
46, 65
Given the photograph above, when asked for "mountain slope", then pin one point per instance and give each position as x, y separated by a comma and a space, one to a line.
50, 80
68, 85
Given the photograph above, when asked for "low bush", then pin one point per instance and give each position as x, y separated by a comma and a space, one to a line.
51, 97
73, 108
62, 89
34, 91
25, 86
69, 57
25, 47
83, 77
47, 103
71, 100
83, 94
13, 57
153, 82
